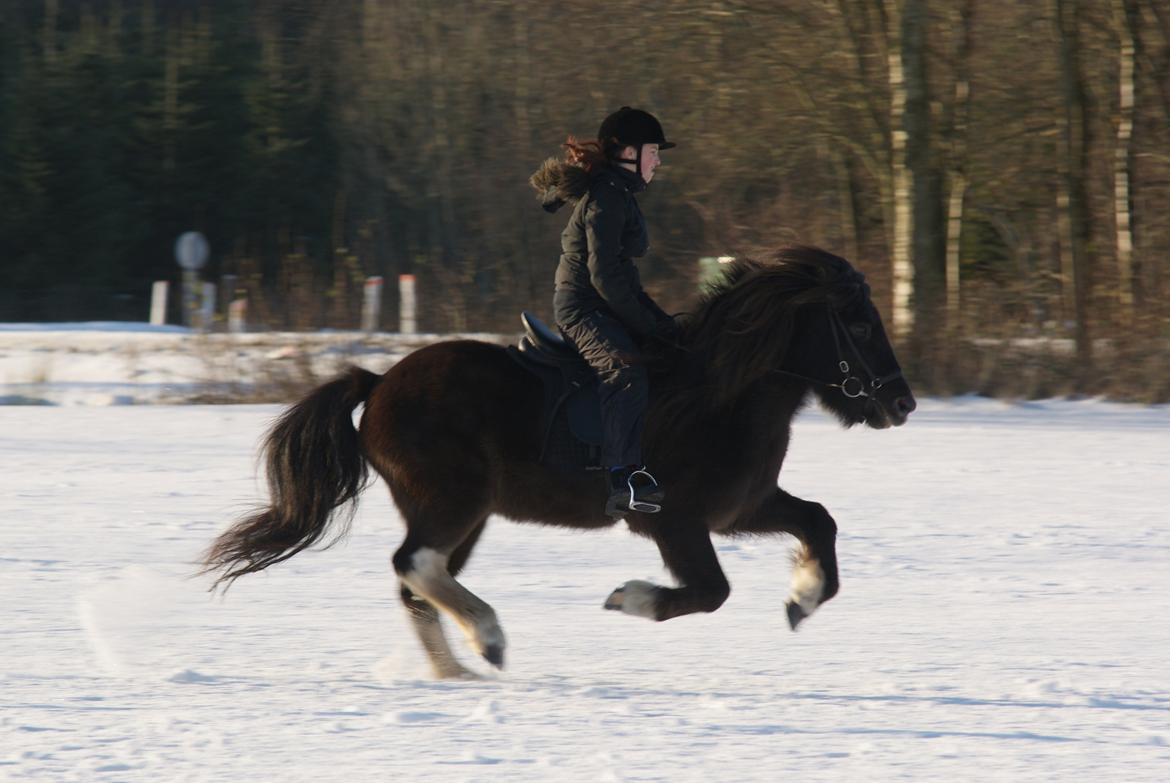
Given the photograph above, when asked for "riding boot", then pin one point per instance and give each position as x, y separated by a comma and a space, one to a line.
632, 489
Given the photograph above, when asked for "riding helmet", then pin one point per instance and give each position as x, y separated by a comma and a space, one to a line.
632, 127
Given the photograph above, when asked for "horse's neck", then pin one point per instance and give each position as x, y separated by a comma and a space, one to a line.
771, 400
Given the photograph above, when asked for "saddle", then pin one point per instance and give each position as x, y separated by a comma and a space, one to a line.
570, 417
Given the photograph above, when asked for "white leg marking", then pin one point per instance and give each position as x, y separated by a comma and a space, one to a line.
808, 584
430, 565
635, 597
429, 578
429, 629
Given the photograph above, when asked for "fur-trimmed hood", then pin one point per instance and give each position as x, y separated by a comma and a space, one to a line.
558, 183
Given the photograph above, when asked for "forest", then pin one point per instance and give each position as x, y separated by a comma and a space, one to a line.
999, 169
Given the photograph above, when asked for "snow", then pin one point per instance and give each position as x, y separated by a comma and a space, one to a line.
1002, 617
103, 327
123, 363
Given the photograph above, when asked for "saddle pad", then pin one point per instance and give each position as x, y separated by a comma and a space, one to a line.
570, 417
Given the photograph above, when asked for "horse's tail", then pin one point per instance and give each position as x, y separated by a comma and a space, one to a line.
315, 467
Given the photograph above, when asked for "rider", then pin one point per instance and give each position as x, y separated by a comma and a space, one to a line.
599, 303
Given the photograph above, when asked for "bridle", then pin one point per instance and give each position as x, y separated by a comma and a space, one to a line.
850, 385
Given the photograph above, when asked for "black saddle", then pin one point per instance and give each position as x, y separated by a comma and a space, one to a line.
571, 414
542, 344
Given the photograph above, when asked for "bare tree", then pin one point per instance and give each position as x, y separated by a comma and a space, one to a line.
1126, 18
902, 252
958, 159
1073, 199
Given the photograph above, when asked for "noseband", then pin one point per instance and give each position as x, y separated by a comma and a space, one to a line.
850, 385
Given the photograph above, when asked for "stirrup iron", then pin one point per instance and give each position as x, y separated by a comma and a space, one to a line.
644, 506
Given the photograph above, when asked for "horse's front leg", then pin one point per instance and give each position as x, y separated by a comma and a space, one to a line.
687, 551
814, 575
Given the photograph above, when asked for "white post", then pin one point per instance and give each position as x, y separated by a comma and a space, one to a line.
406, 306
372, 304
158, 302
238, 316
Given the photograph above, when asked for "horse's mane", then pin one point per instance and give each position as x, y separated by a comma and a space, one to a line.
742, 327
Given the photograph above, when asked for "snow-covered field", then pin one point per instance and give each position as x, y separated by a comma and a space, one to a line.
122, 363
1003, 616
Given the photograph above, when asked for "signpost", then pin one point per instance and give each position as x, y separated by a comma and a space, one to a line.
207, 307
191, 251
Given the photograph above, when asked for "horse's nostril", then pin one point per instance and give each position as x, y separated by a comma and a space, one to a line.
905, 405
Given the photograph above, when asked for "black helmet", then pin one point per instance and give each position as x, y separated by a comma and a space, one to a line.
631, 127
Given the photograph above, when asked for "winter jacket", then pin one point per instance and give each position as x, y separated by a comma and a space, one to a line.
605, 233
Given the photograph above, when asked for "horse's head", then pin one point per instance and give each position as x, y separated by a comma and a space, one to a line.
806, 314
840, 343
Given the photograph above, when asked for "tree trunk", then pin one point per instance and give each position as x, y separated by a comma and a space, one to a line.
1075, 142
919, 233
958, 172
873, 112
1126, 13
901, 256
928, 225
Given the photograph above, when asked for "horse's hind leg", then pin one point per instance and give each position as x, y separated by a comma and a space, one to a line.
424, 617
426, 570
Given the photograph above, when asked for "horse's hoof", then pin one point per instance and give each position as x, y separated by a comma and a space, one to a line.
494, 654
635, 597
795, 614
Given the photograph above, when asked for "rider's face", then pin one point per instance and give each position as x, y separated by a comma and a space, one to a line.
650, 161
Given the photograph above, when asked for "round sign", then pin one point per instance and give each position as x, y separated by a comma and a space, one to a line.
191, 250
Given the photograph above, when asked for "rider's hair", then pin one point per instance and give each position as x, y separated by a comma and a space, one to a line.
586, 154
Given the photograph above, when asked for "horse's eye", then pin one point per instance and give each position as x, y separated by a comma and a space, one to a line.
860, 331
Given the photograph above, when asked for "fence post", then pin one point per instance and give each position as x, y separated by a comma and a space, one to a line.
238, 316
372, 304
406, 308
158, 302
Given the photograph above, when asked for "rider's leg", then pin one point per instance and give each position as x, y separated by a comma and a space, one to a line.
624, 388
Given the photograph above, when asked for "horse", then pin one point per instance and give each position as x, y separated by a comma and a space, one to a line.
453, 429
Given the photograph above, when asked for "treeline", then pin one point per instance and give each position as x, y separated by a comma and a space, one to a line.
1000, 170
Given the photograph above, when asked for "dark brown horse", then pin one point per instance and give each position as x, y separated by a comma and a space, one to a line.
454, 431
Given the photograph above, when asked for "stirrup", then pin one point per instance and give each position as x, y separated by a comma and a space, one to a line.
619, 503
651, 503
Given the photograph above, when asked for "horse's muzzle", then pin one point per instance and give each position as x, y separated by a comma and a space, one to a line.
902, 408
882, 413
